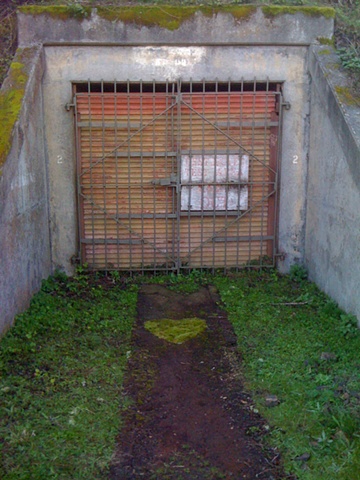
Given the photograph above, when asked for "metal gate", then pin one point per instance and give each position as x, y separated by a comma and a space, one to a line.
175, 176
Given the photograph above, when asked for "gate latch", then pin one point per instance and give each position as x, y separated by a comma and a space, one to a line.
165, 182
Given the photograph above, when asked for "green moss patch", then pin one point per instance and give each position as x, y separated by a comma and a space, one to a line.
169, 17
61, 12
176, 331
10, 104
275, 10
346, 96
166, 16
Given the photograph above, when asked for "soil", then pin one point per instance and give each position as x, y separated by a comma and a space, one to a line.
188, 415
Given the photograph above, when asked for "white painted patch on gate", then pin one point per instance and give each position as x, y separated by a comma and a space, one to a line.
215, 182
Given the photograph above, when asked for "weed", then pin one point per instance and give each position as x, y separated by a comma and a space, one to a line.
298, 273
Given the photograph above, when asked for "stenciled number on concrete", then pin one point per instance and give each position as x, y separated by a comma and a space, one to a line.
295, 159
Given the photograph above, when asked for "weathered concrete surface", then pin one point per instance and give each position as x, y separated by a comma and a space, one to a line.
333, 196
65, 64
24, 230
128, 25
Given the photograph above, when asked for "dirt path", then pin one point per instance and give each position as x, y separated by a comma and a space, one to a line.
189, 417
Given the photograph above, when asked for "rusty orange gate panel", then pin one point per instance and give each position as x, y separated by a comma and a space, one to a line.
176, 176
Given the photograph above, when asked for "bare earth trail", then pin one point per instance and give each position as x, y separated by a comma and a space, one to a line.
189, 417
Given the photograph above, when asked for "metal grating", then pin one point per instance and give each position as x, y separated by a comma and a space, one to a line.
175, 176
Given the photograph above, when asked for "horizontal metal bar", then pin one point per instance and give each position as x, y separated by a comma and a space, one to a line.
110, 241
228, 184
255, 238
210, 213
247, 124
112, 125
124, 216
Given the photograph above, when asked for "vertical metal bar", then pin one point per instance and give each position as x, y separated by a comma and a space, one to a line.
190, 189
216, 187
265, 172
278, 173
227, 180
129, 167
175, 171
80, 208
239, 222
154, 174
91, 176
104, 174
141, 159
178, 167
252, 168
116, 141
168, 172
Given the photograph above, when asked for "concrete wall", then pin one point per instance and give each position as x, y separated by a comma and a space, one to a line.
24, 229
333, 195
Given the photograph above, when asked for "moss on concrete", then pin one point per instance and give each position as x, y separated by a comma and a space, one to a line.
275, 10
169, 17
11, 97
61, 12
346, 96
327, 41
176, 331
326, 51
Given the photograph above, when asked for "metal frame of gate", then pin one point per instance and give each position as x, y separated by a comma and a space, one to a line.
173, 176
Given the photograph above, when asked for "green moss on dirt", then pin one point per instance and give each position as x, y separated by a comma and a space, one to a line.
176, 331
61, 12
275, 10
346, 96
10, 104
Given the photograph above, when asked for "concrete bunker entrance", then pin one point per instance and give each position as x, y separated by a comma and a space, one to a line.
177, 175
178, 198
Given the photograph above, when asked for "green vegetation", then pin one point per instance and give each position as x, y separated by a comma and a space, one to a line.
62, 12
61, 370
299, 346
62, 367
10, 104
176, 331
312, 11
347, 95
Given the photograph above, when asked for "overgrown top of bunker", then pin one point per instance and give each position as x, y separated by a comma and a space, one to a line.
175, 24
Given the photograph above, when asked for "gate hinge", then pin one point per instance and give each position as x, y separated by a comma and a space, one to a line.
69, 106
281, 256
286, 105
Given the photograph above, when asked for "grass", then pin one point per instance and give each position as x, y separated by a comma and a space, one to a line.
298, 345
61, 370
62, 366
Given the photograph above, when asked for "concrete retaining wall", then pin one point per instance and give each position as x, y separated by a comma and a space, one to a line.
333, 194
24, 227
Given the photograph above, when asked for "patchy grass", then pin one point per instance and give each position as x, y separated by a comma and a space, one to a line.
62, 367
299, 346
61, 370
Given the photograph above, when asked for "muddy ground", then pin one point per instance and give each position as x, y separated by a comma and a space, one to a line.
188, 415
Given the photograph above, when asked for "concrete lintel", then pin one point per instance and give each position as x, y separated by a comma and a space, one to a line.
195, 25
